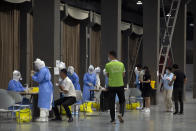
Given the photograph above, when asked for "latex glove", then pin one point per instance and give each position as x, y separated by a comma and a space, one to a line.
32, 73
90, 84
103, 89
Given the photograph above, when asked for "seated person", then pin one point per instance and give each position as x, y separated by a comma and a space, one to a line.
14, 84
67, 87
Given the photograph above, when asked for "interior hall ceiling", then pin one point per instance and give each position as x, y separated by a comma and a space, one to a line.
127, 5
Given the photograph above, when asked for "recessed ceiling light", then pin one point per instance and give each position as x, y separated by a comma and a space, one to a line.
139, 2
191, 24
168, 15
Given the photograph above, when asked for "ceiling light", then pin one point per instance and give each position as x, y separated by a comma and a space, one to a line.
139, 2
191, 24
168, 15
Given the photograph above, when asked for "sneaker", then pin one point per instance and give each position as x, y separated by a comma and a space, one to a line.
147, 110
56, 119
120, 118
70, 120
113, 121
181, 113
42, 119
143, 110
175, 113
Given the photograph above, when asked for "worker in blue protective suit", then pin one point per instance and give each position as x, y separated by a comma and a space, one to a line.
14, 84
75, 80
73, 77
89, 83
45, 96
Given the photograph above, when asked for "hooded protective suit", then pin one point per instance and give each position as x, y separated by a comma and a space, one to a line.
45, 96
73, 77
14, 84
89, 83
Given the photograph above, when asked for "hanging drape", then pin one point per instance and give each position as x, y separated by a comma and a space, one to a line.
9, 45
95, 48
70, 46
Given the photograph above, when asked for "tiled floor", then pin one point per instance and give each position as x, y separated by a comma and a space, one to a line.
157, 120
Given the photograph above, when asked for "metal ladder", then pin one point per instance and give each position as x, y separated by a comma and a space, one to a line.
139, 42
170, 21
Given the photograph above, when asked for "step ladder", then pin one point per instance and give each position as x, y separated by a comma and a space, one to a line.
166, 42
138, 47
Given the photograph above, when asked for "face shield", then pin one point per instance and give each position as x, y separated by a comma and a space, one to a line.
39, 64
62, 66
17, 75
71, 70
91, 69
97, 70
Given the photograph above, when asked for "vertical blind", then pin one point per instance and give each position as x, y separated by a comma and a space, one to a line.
95, 48
70, 47
9, 45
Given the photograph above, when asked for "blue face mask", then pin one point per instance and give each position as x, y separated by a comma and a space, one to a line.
167, 72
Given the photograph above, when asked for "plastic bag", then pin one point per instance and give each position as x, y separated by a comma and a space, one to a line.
63, 112
86, 107
24, 115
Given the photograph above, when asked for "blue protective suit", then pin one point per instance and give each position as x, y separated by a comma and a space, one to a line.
43, 77
88, 78
75, 80
15, 86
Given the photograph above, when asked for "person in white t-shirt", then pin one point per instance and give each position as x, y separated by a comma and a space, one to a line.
66, 86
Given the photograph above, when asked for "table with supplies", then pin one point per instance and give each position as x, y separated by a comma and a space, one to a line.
33, 92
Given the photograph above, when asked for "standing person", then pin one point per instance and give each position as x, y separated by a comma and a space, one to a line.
67, 87
168, 88
89, 83
141, 73
14, 84
73, 77
178, 91
115, 71
146, 91
97, 72
45, 96
137, 74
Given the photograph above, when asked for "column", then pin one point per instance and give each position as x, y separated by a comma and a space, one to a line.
193, 2
110, 28
23, 44
47, 33
179, 37
151, 25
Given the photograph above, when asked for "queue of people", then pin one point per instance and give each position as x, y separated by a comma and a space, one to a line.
173, 82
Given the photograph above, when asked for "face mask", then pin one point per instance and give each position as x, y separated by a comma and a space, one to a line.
109, 59
167, 72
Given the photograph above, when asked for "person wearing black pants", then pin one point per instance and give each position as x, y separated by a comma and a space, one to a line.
66, 86
66, 102
121, 95
115, 71
178, 92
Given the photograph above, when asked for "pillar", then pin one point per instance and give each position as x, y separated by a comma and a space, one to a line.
110, 28
151, 25
23, 43
47, 33
193, 2
179, 38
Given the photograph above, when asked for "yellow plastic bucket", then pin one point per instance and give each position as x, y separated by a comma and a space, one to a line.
152, 83
23, 115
